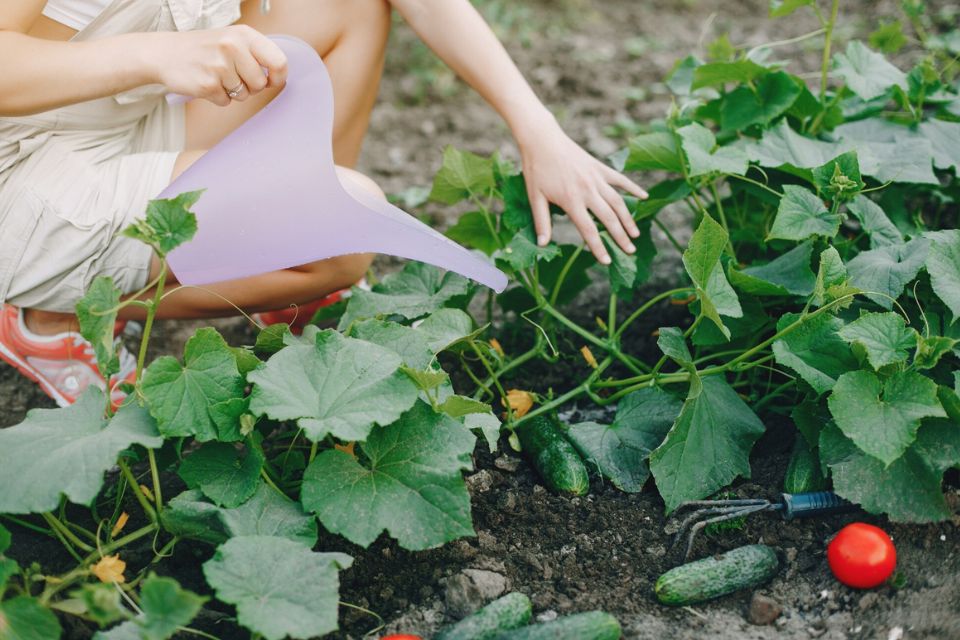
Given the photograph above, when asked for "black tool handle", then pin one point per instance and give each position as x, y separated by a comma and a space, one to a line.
819, 503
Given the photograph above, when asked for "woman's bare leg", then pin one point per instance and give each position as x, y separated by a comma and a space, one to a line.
350, 36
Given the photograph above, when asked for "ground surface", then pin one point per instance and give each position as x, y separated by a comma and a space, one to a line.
596, 63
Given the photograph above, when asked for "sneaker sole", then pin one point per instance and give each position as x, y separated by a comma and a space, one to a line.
29, 372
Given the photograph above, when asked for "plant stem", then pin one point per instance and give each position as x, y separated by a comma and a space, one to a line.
646, 306
723, 218
612, 317
148, 509
757, 184
155, 477
555, 294
27, 525
65, 531
151, 314
670, 237
827, 45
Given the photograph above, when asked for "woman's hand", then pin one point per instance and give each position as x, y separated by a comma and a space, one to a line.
211, 64
558, 170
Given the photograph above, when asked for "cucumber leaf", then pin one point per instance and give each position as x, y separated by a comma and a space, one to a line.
97, 314
66, 452
787, 274
801, 215
408, 483
180, 396
339, 386
867, 73
907, 490
708, 446
882, 274
227, 475
619, 451
280, 588
24, 618
884, 337
463, 174
702, 262
814, 350
882, 416
943, 265
704, 157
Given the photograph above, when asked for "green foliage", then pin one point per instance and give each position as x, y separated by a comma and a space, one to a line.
97, 314
280, 588
168, 223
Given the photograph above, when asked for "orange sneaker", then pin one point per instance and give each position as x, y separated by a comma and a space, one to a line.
299, 316
64, 365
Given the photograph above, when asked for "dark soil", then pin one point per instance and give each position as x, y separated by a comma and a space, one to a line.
596, 64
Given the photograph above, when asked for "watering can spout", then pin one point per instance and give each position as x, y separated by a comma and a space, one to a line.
273, 199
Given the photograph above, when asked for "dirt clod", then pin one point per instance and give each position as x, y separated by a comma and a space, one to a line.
763, 610
470, 589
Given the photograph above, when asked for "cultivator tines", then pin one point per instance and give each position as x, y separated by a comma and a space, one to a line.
790, 506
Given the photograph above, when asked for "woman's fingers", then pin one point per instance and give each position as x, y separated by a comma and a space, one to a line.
588, 230
541, 216
620, 207
621, 181
252, 75
605, 214
272, 58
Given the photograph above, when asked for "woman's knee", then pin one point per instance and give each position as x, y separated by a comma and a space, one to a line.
352, 179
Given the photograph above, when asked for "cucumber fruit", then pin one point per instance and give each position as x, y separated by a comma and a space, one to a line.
709, 578
593, 625
509, 612
803, 471
552, 455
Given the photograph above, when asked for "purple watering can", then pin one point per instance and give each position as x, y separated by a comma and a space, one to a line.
273, 199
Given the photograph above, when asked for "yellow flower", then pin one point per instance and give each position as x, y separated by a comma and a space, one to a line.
121, 523
519, 401
495, 344
348, 448
109, 569
588, 356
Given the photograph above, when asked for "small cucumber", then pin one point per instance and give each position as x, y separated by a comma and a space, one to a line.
552, 455
509, 612
717, 576
593, 625
803, 471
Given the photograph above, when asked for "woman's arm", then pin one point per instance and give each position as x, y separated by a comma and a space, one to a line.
557, 169
39, 75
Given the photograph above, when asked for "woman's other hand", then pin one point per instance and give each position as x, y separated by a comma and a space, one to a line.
559, 171
212, 64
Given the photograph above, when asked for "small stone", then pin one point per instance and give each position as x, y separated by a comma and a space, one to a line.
763, 610
470, 589
510, 464
548, 616
895, 634
481, 482
867, 601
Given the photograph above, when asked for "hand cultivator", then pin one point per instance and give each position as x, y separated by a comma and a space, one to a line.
789, 505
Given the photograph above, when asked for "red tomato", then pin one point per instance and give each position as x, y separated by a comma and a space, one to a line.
401, 636
862, 556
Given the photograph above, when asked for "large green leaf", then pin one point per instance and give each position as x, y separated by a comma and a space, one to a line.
414, 292
96, 314
943, 265
801, 215
654, 151
338, 386
619, 451
280, 588
408, 483
884, 273
180, 396
882, 416
781, 145
224, 473
522, 252
463, 174
473, 231
5, 539
702, 262
708, 446
875, 222
168, 223
773, 95
788, 274
867, 73
626, 271
896, 153
883, 336
704, 157
410, 344
840, 178
717, 74
909, 489
814, 350
267, 513
166, 607
66, 452
24, 618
